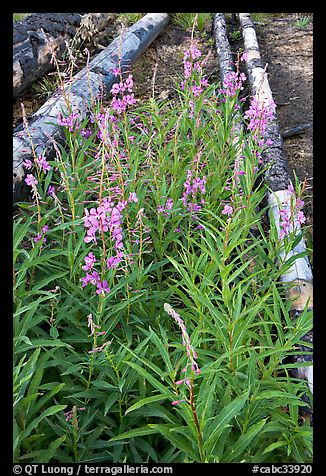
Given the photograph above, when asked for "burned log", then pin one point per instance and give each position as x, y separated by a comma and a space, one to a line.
40, 34
223, 48
89, 84
297, 130
299, 277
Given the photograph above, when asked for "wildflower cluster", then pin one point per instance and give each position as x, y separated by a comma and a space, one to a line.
41, 163
193, 185
71, 121
42, 166
233, 184
31, 180
291, 216
259, 116
119, 105
232, 84
166, 208
40, 235
92, 276
105, 217
194, 188
199, 82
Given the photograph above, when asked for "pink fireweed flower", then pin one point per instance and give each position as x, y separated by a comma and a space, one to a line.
197, 90
132, 197
227, 210
176, 402
193, 186
115, 72
184, 380
260, 116
129, 99
93, 278
117, 88
113, 261
43, 163
204, 82
193, 52
129, 83
300, 217
90, 260
51, 190
192, 108
27, 164
166, 208
105, 218
38, 238
85, 133
31, 180
102, 287
119, 105
285, 223
291, 217
70, 121
232, 83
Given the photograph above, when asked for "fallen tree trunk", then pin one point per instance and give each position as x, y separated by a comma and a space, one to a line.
87, 85
39, 34
223, 48
293, 131
277, 177
226, 66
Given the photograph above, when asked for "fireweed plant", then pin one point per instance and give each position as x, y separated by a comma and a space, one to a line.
150, 323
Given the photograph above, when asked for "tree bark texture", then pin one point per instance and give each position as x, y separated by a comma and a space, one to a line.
86, 86
226, 65
277, 177
223, 48
39, 34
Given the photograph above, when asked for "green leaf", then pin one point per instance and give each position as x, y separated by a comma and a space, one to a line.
179, 441
145, 401
44, 343
162, 349
273, 446
222, 420
236, 450
34, 424
147, 430
45, 256
44, 456
19, 231
156, 384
